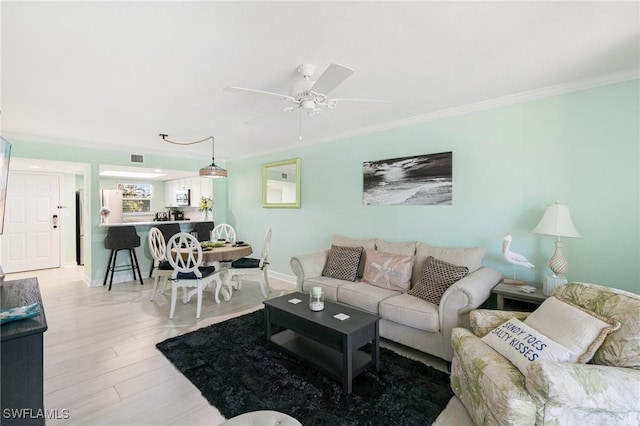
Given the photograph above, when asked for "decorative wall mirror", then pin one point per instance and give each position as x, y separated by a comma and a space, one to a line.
281, 184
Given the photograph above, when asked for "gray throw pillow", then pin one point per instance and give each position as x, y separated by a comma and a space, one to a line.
342, 262
437, 276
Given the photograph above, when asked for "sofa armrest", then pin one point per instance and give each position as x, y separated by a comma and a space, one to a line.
462, 297
482, 321
584, 386
470, 292
308, 265
491, 388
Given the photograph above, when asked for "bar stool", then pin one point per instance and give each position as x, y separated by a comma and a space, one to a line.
203, 230
122, 238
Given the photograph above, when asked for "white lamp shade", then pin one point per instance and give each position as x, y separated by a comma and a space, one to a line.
557, 221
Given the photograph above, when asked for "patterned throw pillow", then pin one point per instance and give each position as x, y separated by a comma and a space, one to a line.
343, 262
437, 276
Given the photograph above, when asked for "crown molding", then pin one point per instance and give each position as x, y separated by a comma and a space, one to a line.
516, 98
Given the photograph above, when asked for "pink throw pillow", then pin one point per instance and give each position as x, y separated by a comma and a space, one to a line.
388, 270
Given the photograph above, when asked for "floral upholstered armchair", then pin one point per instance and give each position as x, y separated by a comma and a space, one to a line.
495, 391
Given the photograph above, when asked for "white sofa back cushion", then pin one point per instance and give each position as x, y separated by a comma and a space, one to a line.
470, 257
402, 249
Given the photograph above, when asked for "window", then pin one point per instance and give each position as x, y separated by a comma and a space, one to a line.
136, 197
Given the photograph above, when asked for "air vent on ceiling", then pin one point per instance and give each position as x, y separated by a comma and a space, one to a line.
137, 158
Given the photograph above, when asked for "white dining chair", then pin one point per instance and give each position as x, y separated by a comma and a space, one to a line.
184, 253
161, 267
247, 266
224, 232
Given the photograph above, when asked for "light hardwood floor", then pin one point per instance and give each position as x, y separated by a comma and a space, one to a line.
101, 362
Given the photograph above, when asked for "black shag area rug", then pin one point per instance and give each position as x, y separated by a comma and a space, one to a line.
235, 371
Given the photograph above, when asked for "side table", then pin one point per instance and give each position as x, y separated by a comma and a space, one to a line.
21, 355
510, 298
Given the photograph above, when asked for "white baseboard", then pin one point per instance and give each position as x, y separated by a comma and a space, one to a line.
291, 279
124, 276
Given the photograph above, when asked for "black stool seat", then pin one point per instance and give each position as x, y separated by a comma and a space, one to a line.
203, 229
122, 238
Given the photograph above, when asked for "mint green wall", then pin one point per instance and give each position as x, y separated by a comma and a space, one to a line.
96, 264
581, 148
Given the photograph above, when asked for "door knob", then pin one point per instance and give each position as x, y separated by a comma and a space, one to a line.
55, 221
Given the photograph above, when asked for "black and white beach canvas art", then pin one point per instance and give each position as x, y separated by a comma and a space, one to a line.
419, 180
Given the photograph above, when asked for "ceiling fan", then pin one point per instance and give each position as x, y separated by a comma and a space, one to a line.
309, 96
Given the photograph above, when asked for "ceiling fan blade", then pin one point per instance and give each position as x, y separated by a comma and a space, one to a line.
246, 91
361, 100
331, 78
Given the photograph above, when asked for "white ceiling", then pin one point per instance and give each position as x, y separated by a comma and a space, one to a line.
117, 74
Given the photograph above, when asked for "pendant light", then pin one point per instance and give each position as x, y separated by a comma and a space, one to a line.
210, 171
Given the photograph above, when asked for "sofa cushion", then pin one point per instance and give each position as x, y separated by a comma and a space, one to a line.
576, 328
370, 243
387, 270
523, 345
328, 284
343, 262
436, 277
410, 311
403, 249
620, 349
469, 257
364, 296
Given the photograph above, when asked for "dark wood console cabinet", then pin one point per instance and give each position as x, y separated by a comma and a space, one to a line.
21, 365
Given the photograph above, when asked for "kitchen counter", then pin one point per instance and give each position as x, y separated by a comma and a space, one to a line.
151, 223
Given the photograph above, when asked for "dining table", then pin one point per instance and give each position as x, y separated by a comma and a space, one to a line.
220, 255
228, 253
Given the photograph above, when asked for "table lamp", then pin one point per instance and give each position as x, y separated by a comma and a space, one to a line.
556, 221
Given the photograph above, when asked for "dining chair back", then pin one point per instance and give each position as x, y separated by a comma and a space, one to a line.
184, 254
249, 266
224, 232
161, 267
168, 230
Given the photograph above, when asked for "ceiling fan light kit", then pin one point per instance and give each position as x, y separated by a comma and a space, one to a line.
306, 95
210, 171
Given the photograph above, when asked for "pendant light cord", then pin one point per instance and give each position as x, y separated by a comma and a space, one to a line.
164, 138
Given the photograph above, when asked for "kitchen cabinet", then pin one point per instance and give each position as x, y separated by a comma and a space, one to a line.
200, 187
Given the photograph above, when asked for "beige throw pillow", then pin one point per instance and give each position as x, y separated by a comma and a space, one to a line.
342, 263
437, 276
387, 270
578, 329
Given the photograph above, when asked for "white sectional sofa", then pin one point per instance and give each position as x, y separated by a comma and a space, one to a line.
405, 318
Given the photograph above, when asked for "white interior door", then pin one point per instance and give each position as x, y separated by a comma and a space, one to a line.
31, 238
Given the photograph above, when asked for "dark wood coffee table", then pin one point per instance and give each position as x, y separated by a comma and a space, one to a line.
332, 346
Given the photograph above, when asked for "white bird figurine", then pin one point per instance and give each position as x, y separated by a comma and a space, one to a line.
514, 258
